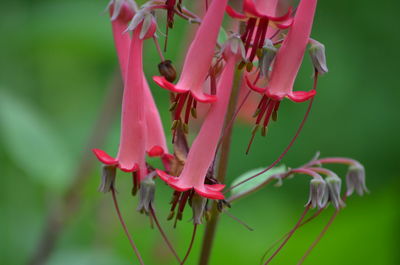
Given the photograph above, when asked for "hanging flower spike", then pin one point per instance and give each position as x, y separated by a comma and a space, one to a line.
285, 68
202, 152
156, 142
197, 64
132, 148
262, 20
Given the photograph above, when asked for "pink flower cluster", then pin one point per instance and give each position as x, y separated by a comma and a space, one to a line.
141, 130
263, 54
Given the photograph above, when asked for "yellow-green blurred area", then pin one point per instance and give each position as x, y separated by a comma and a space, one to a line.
57, 64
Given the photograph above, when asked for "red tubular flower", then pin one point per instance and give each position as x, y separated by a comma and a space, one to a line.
262, 21
286, 66
202, 152
132, 148
197, 62
156, 142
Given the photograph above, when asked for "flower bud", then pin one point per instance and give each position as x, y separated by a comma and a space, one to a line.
147, 22
198, 207
167, 70
355, 180
146, 193
334, 188
234, 46
107, 178
318, 194
267, 57
122, 9
318, 58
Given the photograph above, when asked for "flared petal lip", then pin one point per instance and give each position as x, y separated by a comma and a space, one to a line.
301, 96
106, 159
250, 8
253, 87
235, 14
207, 191
155, 151
199, 96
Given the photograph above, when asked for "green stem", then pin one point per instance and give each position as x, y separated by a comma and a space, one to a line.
211, 226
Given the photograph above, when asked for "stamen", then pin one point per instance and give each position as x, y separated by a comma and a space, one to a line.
182, 204
251, 23
174, 203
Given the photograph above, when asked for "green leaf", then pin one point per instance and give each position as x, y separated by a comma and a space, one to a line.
32, 144
257, 182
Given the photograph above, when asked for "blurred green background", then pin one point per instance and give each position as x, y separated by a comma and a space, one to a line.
57, 64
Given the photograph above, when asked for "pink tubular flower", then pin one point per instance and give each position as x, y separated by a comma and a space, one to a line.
262, 19
286, 66
132, 148
156, 142
197, 63
202, 152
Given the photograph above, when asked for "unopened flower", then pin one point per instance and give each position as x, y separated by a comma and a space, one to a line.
268, 55
355, 180
318, 57
198, 204
318, 193
107, 178
147, 193
334, 184
132, 148
202, 153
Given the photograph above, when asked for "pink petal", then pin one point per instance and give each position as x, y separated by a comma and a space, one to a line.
162, 82
104, 157
301, 96
234, 14
253, 86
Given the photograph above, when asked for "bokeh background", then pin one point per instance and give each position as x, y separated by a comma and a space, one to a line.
59, 94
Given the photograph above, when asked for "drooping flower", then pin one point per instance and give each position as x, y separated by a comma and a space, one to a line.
197, 62
132, 148
286, 66
156, 142
262, 21
202, 152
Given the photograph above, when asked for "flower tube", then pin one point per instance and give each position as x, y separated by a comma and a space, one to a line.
202, 152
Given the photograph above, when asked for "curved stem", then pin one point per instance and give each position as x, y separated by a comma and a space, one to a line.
121, 219
284, 151
164, 236
289, 235
190, 244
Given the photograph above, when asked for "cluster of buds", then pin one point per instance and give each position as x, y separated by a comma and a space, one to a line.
266, 53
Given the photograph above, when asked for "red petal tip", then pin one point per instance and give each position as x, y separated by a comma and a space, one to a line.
104, 158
